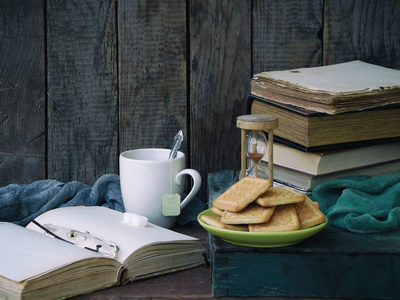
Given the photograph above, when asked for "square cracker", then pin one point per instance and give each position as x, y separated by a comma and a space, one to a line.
251, 214
284, 219
308, 213
217, 211
242, 193
216, 222
279, 195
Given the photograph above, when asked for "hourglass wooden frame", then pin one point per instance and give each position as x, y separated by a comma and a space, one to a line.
266, 123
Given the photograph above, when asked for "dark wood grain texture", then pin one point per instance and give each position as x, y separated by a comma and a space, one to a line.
220, 72
22, 92
82, 90
152, 73
286, 34
365, 30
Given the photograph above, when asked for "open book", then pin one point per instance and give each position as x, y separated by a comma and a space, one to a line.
34, 265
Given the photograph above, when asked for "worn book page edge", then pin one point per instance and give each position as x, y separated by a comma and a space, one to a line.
349, 77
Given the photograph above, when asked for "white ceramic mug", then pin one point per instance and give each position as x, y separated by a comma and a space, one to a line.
147, 175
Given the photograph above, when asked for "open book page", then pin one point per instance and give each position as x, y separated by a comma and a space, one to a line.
108, 224
339, 78
25, 254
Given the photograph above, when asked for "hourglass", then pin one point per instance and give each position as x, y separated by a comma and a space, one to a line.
255, 145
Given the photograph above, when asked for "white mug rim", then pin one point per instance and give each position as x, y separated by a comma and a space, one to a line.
126, 155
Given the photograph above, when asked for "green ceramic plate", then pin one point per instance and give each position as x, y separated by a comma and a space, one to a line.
260, 239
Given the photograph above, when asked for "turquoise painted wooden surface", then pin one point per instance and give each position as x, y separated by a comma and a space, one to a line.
334, 263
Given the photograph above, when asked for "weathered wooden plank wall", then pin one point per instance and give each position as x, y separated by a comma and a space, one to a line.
152, 72
220, 70
364, 30
22, 92
287, 34
81, 81
82, 126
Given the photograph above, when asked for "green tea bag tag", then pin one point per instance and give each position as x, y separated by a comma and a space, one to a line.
171, 205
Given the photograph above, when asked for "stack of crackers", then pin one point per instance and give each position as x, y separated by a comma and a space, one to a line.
252, 204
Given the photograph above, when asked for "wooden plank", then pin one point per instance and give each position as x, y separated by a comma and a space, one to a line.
286, 34
308, 275
368, 30
152, 73
220, 73
22, 92
82, 90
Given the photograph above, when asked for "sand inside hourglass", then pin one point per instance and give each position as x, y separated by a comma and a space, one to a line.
256, 149
255, 156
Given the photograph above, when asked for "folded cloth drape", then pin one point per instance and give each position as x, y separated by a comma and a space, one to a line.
20, 204
361, 204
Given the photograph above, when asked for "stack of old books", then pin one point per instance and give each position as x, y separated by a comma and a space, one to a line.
334, 121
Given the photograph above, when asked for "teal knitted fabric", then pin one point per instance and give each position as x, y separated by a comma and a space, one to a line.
361, 204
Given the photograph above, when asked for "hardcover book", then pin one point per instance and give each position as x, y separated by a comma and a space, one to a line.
334, 161
310, 130
305, 182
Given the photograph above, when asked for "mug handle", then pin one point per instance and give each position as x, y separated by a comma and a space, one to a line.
196, 184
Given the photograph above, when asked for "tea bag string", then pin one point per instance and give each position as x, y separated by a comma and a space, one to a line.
172, 174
